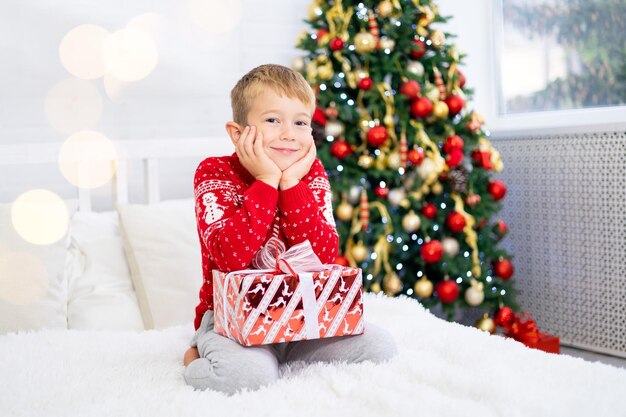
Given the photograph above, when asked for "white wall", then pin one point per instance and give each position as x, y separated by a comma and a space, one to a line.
186, 95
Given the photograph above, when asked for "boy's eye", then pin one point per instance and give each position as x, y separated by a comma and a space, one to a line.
302, 123
271, 120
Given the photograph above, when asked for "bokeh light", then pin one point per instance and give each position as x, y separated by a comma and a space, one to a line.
80, 51
214, 16
130, 54
114, 88
40, 217
23, 278
149, 23
87, 159
72, 105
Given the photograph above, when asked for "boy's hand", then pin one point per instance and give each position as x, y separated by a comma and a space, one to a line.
252, 156
298, 169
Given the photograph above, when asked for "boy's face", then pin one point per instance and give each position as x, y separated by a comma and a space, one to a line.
286, 126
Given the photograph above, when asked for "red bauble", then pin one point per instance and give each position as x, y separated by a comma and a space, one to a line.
497, 189
454, 158
381, 192
421, 108
432, 251
504, 317
342, 260
455, 104
377, 135
453, 142
416, 156
365, 83
340, 149
501, 228
418, 49
455, 222
411, 89
461, 78
447, 291
503, 268
336, 44
319, 117
430, 211
482, 159
321, 33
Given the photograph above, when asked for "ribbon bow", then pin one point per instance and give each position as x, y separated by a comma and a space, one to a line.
523, 329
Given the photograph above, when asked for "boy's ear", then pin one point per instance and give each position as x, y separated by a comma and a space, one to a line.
234, 131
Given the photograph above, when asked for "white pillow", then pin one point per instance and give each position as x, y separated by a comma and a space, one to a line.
163, 252
33, 280
101, 294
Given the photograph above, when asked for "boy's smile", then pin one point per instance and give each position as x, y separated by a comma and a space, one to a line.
286, 127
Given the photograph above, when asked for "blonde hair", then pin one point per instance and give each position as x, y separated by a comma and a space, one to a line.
282, 80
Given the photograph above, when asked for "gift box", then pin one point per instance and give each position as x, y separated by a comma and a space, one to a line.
293, 301
546, 342
524, 329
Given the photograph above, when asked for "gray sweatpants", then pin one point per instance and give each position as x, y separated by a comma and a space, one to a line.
226, 366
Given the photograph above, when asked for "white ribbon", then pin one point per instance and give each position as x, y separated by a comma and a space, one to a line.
311, 319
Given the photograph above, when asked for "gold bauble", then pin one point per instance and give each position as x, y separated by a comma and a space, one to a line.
298, 64
426, 167
375, 287
344, 211
393, 160
325, 72
396, 196
474, 295
392, 284
381, 162
486, 324
437, 188
365, 161
386, 43
334, 128
438, 38
450, 246
359, 252
440, 110
388, 120
314, 11
354, 194
385, 8
431, 92
415, 67
364, 42
423, 288
411, 222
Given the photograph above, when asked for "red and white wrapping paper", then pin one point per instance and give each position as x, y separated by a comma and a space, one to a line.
263, 306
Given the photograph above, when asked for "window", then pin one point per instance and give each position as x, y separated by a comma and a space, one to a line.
560, 55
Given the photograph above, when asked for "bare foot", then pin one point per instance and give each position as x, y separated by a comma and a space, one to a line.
190, 355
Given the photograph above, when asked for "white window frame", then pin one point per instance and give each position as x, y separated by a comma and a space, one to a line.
542, 122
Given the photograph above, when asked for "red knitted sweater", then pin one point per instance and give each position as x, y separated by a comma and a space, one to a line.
236, 215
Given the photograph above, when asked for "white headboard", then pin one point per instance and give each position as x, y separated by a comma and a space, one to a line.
150, 152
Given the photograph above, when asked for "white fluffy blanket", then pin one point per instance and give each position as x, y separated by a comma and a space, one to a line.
443, 369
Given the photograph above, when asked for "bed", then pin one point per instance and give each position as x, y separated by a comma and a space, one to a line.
107, 337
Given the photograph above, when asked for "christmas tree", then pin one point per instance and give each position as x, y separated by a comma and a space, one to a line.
411, 168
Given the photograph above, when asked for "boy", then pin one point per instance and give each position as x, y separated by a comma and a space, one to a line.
272, 187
